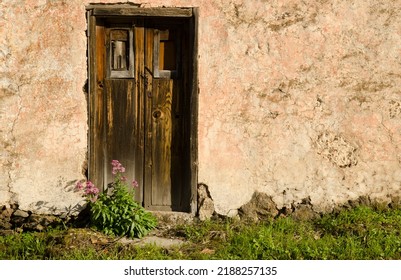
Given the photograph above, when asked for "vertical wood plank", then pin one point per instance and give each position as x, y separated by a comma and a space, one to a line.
161, 141
121, 118
139, 45
100, 106
92, 91
121, 125
168, 132
97, 104
193, 109
148, 80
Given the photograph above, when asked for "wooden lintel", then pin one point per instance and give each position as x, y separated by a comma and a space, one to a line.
146, 12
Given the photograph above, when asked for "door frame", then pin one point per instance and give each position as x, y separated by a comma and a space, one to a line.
96, 13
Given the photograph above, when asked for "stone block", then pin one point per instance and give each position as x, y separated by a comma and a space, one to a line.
260, 207
205, 203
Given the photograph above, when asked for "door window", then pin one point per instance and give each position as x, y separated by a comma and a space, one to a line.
121, 53
166, 53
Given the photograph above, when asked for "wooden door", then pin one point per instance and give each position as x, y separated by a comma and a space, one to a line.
141, 111
166, 153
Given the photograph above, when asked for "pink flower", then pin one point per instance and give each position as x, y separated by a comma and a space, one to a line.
135, 183
91, 189
117, 167
79, 186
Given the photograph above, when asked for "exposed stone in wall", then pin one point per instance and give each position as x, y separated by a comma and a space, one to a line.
5, 217
336, 149
304, 211
12, 218
394, 109
260, 207
363, 200
205, 203
166, 220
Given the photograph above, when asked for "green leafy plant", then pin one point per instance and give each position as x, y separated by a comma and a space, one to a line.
114, 211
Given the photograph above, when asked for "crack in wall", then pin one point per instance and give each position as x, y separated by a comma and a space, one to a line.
390, 135
11, 158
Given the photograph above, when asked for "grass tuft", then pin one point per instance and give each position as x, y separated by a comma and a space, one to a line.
361, 233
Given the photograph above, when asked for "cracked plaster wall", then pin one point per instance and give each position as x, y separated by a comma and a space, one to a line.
297, 99
42, 104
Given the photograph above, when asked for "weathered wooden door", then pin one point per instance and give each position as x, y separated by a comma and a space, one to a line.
141, 109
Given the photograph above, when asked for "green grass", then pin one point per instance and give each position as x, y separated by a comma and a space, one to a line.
362, 233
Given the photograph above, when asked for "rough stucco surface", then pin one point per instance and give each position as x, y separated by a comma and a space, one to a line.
297, 99
43, 108
305, 102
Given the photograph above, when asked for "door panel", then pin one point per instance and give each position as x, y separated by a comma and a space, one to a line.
96, 107
167, 144
140, 115
121, 127
161, 125
165, 135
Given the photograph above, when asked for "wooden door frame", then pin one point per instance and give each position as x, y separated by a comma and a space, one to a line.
95, 13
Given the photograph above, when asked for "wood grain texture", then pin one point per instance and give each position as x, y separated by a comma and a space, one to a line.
144, 121
148, 81
121, 123
97, 108
139, 45
161, 142
192, 124
91, 91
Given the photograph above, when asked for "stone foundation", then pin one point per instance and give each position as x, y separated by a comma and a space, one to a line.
12, 218
260, 208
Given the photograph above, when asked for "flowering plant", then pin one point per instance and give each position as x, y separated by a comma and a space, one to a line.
91, 192
114, 211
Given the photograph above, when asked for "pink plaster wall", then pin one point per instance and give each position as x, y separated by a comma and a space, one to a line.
297, 99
